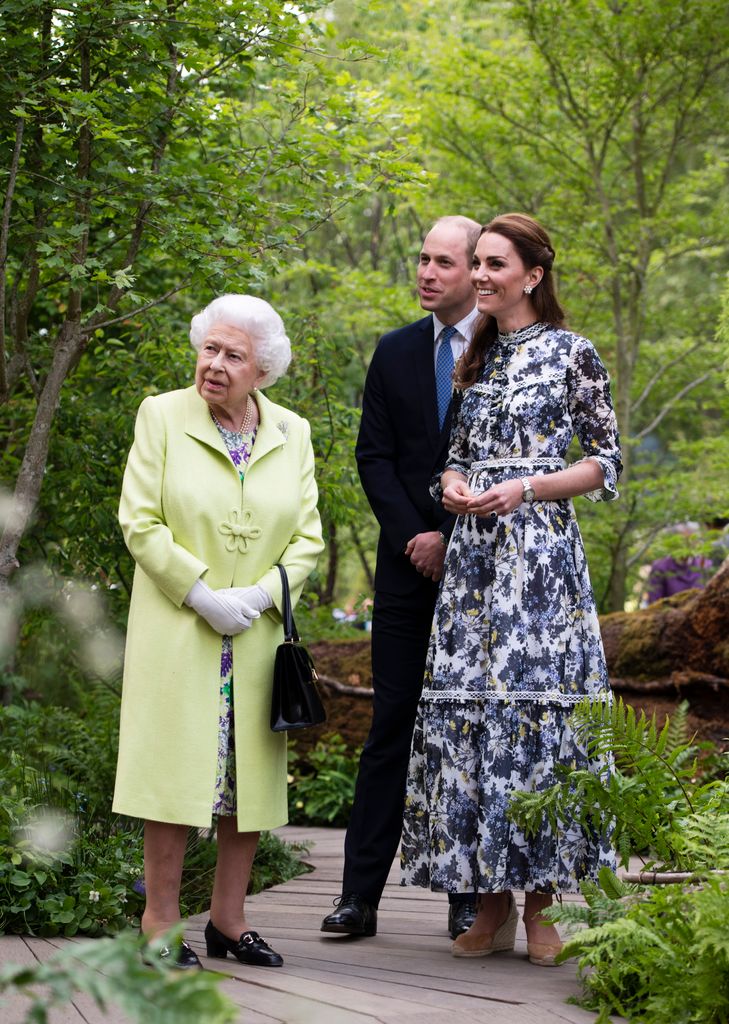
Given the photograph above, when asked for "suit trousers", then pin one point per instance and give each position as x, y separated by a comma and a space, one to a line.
400, 631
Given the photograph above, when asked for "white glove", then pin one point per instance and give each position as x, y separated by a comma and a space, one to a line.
221, 611
252, 601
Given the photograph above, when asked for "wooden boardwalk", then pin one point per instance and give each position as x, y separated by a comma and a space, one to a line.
404, 975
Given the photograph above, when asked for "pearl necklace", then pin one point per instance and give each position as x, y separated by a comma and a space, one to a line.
245, 425
247, 419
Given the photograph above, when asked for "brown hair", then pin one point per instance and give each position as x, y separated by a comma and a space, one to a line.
532, 244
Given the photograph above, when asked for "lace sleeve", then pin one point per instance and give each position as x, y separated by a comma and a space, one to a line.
593, 416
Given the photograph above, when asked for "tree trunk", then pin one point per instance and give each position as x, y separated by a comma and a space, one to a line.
678, 646
30, 478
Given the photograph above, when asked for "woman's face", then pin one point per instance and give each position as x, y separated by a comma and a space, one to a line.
499, 277
226, 370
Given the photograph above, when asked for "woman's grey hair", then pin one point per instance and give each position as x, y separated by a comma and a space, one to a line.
259, 320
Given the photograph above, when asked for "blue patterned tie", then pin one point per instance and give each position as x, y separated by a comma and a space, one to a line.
444, 373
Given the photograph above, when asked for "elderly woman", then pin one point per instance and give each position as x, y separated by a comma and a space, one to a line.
219, 488
516, 640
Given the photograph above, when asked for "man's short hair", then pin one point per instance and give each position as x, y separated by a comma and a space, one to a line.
471, 228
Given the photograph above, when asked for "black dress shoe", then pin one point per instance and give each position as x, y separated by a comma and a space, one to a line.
250, 948
180, 957
353, 916
461, 916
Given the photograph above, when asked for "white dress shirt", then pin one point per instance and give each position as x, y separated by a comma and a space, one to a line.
461, 339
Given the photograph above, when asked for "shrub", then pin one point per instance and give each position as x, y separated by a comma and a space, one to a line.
56, 879
321, 783
72, 753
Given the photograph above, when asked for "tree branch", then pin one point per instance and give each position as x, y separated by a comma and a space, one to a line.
676, 398
4, 237
662, 370
336, 686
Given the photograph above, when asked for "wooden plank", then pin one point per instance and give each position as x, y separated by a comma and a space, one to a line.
567, 1013
84, 1004
29, 952
330, 1004
408, 1008
287, 1008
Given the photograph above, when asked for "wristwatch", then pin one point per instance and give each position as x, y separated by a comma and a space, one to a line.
527, 491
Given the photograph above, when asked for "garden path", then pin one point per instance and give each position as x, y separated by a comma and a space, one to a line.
402, 976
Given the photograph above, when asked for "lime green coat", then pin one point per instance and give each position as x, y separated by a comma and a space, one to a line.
185, 514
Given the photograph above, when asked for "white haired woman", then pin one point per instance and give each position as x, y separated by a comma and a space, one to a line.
218, 488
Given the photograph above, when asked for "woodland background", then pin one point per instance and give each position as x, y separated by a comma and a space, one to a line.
156, 154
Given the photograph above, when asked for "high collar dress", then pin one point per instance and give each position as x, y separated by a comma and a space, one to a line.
515, 642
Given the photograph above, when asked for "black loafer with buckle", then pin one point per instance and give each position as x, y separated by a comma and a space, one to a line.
250, 948
353, 916
179, 956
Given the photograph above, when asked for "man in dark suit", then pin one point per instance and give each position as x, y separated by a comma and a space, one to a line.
403, 441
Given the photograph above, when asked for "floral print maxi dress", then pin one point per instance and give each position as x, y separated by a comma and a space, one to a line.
224, 800
515, 641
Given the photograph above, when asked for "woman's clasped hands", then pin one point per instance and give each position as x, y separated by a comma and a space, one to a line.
499, 500
230, 610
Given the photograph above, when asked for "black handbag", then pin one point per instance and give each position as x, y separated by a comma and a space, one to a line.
295, 703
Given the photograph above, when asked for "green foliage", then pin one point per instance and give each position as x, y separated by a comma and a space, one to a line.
71, 753
111, 972
57, 878
153, 160
652, 955
321, 786
649, 790
67, 865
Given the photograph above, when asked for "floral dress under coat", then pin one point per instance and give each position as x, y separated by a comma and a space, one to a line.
224, 801
516, 641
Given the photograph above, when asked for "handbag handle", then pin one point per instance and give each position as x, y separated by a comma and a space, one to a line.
291, 635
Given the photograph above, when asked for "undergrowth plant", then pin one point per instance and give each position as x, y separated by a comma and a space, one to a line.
654, 955
61, 874
321, 783
71, 752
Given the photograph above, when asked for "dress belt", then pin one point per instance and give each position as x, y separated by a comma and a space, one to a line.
541, 460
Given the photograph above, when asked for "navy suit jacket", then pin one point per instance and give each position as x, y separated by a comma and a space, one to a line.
399, 449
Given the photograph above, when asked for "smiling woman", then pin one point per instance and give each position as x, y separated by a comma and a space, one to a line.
515, 642
503, 283
219, 488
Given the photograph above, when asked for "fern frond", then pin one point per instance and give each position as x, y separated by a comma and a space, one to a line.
611, 884
678, 727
